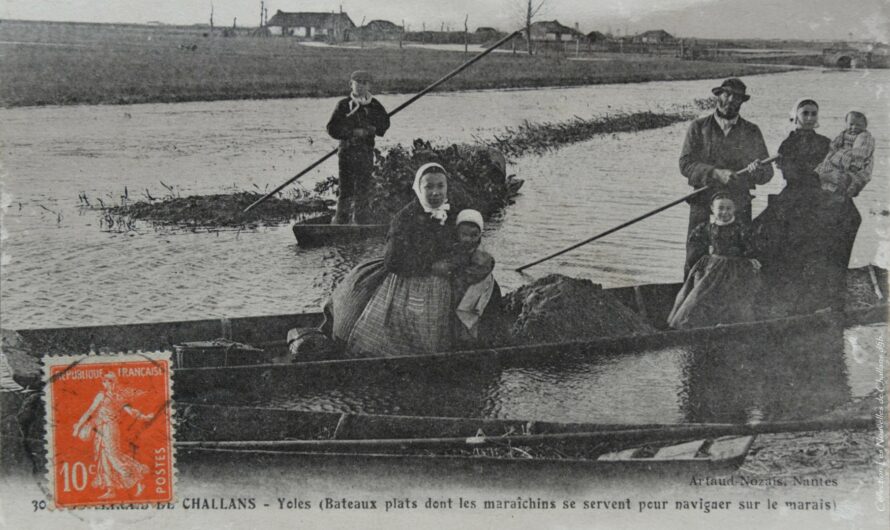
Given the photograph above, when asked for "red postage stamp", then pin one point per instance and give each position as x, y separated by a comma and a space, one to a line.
109, 429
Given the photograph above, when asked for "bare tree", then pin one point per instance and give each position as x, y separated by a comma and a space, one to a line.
466, 34
527, 11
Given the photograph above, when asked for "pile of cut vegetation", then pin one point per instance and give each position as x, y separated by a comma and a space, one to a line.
477, 178
559, 308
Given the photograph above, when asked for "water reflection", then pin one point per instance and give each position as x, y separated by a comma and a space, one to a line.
779, 375
791, 376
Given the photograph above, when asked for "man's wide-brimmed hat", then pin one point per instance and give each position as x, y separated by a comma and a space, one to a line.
732, 85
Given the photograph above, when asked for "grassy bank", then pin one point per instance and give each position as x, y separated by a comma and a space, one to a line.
60, 64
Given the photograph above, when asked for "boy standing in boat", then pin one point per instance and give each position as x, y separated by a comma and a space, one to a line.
356, 120
717, 147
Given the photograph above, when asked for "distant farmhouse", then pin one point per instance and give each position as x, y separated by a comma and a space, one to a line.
553, 31
375, 30
655, 36
311, 26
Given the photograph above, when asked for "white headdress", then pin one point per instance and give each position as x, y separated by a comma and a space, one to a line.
441, 213
470, 216
797, 105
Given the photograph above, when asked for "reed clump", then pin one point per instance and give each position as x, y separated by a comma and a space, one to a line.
539, 138
215, 211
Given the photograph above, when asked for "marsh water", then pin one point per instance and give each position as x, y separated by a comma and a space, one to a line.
62, 267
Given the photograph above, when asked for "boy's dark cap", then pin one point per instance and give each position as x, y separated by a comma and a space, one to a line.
361, 76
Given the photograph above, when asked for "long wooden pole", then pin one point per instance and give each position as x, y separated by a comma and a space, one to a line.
628, 223
392, 113
664, 433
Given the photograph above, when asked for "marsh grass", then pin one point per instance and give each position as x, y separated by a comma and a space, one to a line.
539, 138
224, 210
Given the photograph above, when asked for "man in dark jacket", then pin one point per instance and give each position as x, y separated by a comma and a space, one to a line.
355, 122
716, 150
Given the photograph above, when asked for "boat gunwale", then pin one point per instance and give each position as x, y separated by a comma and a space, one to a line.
734, 460
671, 336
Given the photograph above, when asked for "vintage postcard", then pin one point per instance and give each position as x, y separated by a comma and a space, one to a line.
534, 263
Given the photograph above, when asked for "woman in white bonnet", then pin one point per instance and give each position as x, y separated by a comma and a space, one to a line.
804, 241
411, 312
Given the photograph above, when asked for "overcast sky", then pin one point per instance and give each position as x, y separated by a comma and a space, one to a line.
829, 19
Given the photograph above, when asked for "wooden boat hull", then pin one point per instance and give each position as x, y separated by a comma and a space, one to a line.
423, 443
497, 470
274, 365
430, 446
312, 235
205, 433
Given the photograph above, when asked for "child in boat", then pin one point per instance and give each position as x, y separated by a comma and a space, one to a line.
847, 167
721, 286
472, 279
356, 120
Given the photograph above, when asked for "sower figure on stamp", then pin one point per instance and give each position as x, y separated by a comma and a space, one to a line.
718, 146
115, 467
355, 122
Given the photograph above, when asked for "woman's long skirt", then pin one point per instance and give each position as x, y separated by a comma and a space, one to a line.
804, 239
719, 290
406, 316
351, 297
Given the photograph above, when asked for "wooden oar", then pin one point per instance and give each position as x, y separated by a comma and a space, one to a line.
663, 433
414, 98
632, 221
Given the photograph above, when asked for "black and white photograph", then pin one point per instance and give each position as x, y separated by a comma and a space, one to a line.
520, 263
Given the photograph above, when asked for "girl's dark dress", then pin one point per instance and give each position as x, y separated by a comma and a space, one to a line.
804, 236
721, 286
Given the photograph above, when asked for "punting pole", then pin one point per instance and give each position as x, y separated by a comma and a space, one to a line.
414, 98
632, 221
663, 433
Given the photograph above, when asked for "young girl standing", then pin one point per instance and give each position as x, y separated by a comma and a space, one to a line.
721, 286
